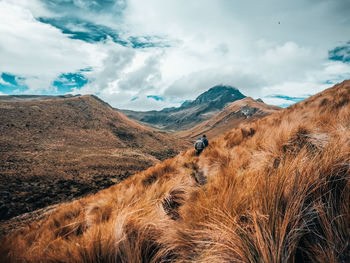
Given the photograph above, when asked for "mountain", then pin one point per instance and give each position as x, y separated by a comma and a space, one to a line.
234, 114
18, 98
273, 190
54, 149
191, 112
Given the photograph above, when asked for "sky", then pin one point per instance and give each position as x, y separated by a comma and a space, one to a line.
146, 55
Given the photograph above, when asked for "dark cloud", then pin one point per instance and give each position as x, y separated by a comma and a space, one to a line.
340, 53
84, 30
90, 32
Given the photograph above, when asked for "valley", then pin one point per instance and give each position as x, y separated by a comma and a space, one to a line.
55, 150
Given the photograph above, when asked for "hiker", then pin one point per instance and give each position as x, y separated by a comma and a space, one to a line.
199, 146
205, 141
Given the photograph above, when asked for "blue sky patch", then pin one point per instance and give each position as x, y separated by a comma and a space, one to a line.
340, 53
12, 90
66, 82
84, 30
10, 79
293, 99
10, 85
157, 98
288, 100
134, 98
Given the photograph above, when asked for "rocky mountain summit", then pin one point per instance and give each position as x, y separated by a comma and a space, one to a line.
189, 113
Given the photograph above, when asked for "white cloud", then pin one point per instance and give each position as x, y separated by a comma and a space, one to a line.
262, 48
36, 51
277, 101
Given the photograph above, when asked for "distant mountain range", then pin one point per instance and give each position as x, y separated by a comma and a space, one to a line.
190, 113
238, 112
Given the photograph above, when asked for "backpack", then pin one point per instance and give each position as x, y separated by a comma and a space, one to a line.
199, 145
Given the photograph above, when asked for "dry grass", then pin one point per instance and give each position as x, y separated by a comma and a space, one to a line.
275, 190
53, 151
238, 112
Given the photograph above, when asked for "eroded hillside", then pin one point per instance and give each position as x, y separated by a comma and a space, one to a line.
274, 190
55, 149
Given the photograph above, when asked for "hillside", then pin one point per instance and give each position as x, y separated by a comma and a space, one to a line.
54, 149
234, 114
274, 190
190, 113
18, 98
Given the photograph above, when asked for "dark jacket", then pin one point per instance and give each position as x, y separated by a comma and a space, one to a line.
205, 141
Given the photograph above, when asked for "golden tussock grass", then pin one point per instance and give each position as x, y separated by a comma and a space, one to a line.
275, 190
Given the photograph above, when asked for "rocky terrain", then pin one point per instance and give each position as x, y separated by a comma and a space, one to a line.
190, 113
54, 149
237, 113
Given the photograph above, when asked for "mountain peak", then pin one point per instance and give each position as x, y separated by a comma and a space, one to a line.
219, 95
190, 112
221, 87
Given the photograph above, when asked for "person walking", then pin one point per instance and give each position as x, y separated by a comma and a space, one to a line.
205, 141
199, 146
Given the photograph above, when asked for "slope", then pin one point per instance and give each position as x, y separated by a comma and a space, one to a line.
273, 190
190, 113
53, 150
236, 113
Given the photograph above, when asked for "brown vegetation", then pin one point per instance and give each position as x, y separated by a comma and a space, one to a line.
274, 190
56, 149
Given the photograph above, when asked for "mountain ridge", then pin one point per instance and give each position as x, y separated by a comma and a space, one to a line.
189, 113
236, 113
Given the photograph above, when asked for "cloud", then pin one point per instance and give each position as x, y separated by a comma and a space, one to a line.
175, 49
38, 52
10, 84
147, 102
127, 79
282, 100
340, 53
104, 78
84, 30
